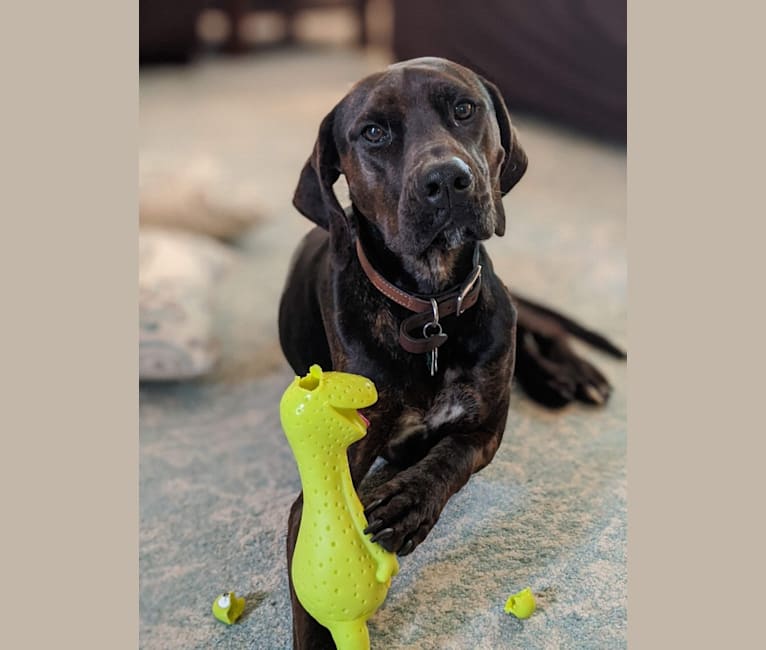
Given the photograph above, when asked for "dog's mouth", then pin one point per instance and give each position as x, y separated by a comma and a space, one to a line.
454, 236
461, 224
451, 238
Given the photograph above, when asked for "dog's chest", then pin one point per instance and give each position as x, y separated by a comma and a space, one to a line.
454, 402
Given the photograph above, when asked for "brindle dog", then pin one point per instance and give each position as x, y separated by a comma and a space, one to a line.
428, 150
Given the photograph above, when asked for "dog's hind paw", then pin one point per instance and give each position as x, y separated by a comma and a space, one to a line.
552, 373
548, 368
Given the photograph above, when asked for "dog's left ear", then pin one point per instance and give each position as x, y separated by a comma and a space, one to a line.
314, 197
515, 162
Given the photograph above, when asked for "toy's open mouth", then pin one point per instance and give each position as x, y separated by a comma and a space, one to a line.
354, 418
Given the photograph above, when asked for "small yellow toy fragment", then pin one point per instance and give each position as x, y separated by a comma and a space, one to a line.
521, 605
228, 607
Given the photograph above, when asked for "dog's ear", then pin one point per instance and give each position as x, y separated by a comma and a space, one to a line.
515, 161
314, 197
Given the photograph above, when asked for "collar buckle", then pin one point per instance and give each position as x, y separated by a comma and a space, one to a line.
466, 288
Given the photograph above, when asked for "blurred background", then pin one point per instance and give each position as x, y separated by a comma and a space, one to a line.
232, 93
231, 97
566, 60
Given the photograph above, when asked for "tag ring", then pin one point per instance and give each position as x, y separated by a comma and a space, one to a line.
434, 323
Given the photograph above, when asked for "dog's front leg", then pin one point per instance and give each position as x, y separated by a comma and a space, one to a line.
402, 511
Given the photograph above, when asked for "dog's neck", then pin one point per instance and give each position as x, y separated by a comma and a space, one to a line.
430, 273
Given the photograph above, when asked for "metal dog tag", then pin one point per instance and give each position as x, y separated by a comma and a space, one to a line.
432, 361
432, 356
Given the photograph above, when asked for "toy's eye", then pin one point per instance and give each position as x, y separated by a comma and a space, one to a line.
463, 110
224, 601
374, 133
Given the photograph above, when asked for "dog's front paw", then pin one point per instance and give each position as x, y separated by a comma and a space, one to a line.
401, 513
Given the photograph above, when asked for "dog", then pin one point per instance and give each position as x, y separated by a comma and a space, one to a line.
398, 287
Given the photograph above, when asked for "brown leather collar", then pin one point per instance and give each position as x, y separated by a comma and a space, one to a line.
429, 310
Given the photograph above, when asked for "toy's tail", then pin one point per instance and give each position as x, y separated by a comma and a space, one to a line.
350, 635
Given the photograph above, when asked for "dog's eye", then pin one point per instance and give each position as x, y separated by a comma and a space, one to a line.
463, 110
374, 133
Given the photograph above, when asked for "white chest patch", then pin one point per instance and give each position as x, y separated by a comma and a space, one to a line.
445, 413
414, 422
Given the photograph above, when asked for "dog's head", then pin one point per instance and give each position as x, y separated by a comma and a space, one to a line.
427, 149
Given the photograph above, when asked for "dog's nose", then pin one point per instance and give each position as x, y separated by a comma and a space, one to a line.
446, 181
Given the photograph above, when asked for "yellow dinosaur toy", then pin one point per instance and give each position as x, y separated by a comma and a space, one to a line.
339, 575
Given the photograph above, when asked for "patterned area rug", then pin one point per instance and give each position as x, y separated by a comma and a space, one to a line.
216, 474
